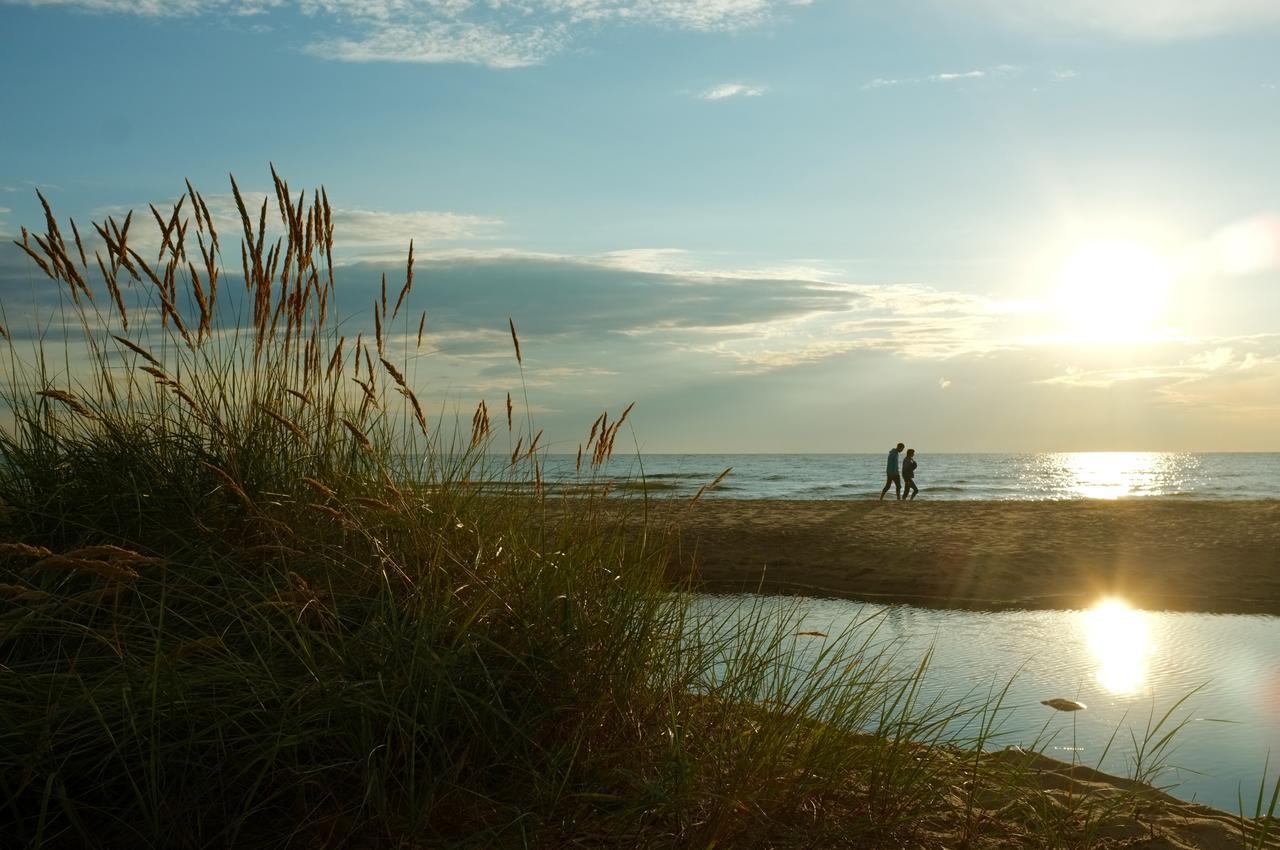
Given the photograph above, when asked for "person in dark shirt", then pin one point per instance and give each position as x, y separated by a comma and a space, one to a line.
891, 473
909, 475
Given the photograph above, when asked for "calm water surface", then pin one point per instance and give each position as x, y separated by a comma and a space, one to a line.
1123, 664
1067, 475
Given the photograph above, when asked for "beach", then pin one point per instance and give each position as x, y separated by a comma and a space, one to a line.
1159, 554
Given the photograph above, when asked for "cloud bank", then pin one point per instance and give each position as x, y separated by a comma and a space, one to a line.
497, 33
1136, 20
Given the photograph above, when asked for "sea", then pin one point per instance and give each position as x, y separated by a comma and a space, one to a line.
1040, 476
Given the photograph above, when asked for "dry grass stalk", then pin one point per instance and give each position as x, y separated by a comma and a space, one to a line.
408, 282
293, 427
509, 408
320, 488
595, 426
108, 552
23, 550
713, 485
70, 401
515, 339
390, 486
206, 315
18, 593
480, 424
230, 484
393, 371
370, 397
332, 513
178, 390
79, 244
114, 290
417, 410
376, 504
358, 434
137, 349
422, 323
302, 397
516, 452
377, 320
335, 360
533, 444
25, 245
109, 570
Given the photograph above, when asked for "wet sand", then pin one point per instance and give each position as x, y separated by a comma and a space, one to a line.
1172, 554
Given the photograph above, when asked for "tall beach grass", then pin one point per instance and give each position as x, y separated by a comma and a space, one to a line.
253, 594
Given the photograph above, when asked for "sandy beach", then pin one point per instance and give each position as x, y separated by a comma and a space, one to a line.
1168, 554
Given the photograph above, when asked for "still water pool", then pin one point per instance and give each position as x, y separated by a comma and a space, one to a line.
1126, 665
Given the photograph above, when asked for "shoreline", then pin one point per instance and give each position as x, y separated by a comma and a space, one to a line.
1210, 556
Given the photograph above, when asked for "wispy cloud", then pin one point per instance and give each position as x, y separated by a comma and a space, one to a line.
943, 77
727, 90
439, 42
160, 8
957, 75
1236, 374
1140, 20
498, 33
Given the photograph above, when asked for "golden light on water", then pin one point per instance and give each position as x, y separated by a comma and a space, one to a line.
1119, 640
1109, 475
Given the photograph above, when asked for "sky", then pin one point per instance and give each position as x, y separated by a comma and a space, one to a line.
775, 225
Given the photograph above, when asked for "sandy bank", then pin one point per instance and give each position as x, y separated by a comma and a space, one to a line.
1157, 553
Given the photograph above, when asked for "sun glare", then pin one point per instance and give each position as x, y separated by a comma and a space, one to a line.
1112, 290
1117, 636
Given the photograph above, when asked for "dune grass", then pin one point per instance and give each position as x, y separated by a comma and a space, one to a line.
250, 596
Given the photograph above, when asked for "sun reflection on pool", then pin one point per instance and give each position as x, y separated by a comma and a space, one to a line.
1119, 639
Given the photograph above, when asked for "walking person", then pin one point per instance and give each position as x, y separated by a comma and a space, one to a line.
909, 475
891, 473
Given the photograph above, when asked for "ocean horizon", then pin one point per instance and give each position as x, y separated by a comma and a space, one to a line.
943, 476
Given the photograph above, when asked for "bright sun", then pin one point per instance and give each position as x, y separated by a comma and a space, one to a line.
1112, 289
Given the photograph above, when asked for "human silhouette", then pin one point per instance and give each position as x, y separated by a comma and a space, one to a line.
891, 473
909, 475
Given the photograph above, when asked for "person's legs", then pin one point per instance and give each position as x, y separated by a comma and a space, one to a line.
911, 489
897, 486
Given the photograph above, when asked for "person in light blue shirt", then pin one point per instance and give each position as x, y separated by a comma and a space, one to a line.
891, 473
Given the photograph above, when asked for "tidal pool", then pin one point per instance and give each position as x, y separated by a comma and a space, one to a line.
1128, 666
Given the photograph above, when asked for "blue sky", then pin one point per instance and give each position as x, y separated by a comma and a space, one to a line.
777, 226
